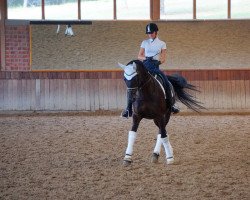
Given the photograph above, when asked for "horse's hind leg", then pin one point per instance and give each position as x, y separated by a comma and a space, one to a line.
164, 139
168, 149
131, 140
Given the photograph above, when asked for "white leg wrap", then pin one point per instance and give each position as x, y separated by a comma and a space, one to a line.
167, 147
157, 148
131, 140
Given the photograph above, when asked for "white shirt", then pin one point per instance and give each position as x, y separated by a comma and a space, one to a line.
153, 47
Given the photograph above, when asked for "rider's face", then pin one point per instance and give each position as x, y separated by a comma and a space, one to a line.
152, 35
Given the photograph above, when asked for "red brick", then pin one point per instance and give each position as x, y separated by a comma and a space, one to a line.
17, 48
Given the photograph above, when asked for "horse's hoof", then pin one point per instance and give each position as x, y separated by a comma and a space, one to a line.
127, 163
170, 161
127, 160
155, 158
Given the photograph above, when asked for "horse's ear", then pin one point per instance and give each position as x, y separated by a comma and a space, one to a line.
122, 66
134, 66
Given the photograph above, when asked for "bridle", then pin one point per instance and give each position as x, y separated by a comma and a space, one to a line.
136, 88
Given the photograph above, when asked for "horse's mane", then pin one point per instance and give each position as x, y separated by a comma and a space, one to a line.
136, 61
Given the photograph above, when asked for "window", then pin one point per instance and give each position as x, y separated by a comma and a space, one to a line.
126, 9
131, 9
176, 9
61, 9
98, 9
212, 9
24, 9
240, 9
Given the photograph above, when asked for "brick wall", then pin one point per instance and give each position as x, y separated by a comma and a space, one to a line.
0, 55
1, 48
17, 48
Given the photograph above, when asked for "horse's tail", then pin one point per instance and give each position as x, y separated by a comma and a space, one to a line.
181, 86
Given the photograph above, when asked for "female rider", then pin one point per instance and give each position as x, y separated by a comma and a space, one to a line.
152, 53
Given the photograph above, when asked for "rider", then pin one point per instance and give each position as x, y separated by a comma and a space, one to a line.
152, 53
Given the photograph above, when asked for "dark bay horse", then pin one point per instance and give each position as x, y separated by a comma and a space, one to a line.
150, 103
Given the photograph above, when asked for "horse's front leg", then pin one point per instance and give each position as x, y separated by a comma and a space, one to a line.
131, 140
157, 149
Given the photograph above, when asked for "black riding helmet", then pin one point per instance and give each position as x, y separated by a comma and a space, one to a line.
151, 27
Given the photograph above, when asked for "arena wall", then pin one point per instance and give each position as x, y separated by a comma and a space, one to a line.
46, 71
226, 90
190, 44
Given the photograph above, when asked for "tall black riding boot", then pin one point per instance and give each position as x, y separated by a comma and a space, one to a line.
171, 101
128, 111
175, 109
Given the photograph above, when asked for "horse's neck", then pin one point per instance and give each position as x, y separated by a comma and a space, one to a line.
148, 85
145, 79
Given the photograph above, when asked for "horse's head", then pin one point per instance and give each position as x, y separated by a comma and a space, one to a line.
134, 74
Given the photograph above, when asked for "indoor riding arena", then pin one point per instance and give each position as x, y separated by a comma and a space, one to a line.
62, 93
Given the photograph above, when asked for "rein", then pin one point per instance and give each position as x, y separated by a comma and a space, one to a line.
139, 88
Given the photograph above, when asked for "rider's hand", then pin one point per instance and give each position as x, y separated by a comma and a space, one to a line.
158, 62
149, 58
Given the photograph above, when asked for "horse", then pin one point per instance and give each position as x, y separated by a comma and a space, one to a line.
149, 102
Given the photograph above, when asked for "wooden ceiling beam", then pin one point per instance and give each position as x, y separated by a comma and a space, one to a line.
154, 9
3, 17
